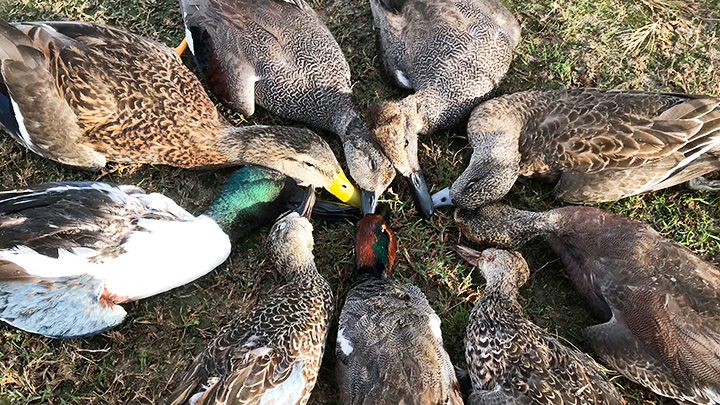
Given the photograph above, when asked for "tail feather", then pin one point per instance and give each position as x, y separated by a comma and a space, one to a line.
67, 307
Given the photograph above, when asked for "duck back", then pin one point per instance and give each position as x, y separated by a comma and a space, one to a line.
390, 348
451, 53
101, 86
605, 144
653, 295
278, 53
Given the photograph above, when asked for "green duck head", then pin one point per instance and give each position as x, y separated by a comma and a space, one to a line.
254, 196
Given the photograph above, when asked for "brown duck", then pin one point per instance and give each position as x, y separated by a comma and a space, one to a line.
389, 345
272, 354
83, 94
280, 55
599, 145
513, 361
451, 53
659, 304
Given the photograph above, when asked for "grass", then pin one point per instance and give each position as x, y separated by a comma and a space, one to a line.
664, 45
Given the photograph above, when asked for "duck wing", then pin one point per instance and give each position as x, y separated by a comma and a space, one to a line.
629, 142
65, 307
390, 348
251, 360
231, 40
51, 217
32, 107
122, 97
249, 372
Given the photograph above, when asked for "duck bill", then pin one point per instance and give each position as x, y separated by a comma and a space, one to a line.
420, 193
442, 198
306, 207
369, 202
471, 256
344, 190
332, 212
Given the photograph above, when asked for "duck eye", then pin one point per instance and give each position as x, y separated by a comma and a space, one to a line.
373, 165
308, 164
407, 142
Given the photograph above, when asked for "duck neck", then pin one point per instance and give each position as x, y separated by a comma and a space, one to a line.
268, 146
299, 269
249, 198
503, 300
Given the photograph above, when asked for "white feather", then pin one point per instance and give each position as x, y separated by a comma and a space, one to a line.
290, 391
435, 327
25, 136
165, 255
345, 344
403, 80
699, 151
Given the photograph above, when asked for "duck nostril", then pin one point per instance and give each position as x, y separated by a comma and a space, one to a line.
444, 199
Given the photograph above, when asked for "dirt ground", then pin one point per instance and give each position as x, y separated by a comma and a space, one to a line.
664, 45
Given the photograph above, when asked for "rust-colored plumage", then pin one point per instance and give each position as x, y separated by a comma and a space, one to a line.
659, 304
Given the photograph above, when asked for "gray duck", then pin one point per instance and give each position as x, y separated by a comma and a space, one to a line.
271, 354
658, 303
83, 94
513, 361
280, 55
389, 346
451, 54
599, 145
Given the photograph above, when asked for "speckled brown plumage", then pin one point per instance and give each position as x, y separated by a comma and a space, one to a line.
85, 93
389, 346
280, 55
602, 145
274, 351
659, 304
513, 361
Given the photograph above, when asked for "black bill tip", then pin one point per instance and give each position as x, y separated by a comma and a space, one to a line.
369, 202
421, 195
306, 207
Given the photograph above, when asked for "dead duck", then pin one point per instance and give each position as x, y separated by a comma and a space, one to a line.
271, 354
71, 252
389, 345
602, 145
83, 94
659, 304
513, 361
451, 53
280, 55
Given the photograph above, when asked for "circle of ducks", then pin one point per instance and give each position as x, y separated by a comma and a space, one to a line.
84, 94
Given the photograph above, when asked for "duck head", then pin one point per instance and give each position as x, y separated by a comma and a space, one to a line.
300, 154
499, 224
396, 125
503, 270
290, 241
375, 246
495, 162
370, 168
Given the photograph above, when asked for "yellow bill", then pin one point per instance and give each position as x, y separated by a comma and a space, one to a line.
344, 190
